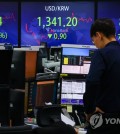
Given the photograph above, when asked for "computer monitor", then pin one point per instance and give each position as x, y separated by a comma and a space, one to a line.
72, 90
4, 105
108, 12
9, 23
45, 92
17, 75
75, 64
5, 66
42, 56
16, 110
76, 59
56, 23
55, 53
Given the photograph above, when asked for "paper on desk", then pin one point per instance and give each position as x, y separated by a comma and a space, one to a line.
67, 120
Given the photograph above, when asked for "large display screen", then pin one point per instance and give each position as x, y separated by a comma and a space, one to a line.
9, 23
56, 23
106, 10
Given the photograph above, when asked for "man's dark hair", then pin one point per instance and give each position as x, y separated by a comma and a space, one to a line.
103, 25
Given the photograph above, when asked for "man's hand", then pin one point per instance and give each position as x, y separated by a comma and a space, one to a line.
87, 116
97, 109
76, 130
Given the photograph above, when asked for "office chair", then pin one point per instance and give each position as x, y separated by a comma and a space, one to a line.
16, 130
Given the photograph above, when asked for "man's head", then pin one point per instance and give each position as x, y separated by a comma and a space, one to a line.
102, 32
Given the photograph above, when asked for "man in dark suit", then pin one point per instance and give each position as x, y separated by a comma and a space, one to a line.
102, 94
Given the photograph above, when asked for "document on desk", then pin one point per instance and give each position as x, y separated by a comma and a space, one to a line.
67, 120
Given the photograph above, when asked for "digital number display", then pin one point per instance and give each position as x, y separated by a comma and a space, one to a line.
9, 23
2, 34
0, 21
110, 13
56, 23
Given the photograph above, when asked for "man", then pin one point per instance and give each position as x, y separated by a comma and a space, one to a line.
103, 81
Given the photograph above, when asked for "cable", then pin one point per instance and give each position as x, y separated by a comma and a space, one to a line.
78, 117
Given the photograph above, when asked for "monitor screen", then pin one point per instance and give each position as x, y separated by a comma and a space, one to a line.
56, 23
72, 91
9, 23
76, 60
55, 53
54, 50
4, 105
17, 74
108, 12
42, 56
5, 66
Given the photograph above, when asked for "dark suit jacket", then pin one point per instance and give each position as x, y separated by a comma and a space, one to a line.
103, 80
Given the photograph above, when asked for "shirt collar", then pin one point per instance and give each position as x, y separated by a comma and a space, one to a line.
112, 43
